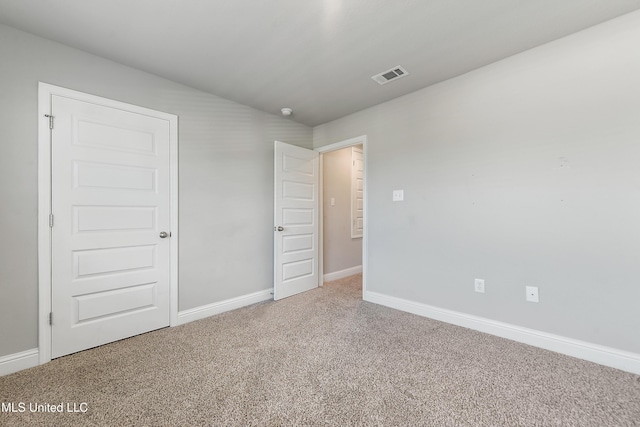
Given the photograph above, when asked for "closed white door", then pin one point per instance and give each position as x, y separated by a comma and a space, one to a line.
296, 220
110, 203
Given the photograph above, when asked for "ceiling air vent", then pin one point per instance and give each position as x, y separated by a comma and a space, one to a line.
392, 74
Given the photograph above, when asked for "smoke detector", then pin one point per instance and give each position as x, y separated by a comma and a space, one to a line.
286, 111
391, 74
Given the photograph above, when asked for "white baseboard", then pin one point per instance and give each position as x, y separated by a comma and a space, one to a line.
602, 355
342, 273
19, 361
201, 312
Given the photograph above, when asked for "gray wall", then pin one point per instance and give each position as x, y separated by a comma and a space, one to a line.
340, 251
524, 172
226, 177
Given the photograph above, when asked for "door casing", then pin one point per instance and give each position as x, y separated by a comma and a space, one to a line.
45, 92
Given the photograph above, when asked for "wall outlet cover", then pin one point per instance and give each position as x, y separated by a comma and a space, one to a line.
479, 285
532, 293
398, 195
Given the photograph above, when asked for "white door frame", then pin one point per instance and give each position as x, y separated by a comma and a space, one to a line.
45, 92
359, 140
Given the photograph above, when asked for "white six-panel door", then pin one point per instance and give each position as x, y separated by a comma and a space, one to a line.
296, 220
110, 202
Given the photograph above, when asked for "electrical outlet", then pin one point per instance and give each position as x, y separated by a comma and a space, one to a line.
479, 285
532, 294
398, 195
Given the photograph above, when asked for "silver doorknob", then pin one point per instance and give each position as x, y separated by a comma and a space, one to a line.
279, 228
163, 234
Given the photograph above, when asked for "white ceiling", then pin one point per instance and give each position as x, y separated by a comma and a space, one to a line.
315, 56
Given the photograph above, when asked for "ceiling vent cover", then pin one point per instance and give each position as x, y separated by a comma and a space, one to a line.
392, 74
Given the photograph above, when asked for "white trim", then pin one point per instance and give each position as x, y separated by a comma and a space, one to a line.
342, 273
173, 220
204, 311
365, 214
321, 220
18, 361
44, 232
607, 356
45, 92
358, 140
362, 139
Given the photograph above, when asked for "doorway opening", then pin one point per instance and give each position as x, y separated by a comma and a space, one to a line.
343, 231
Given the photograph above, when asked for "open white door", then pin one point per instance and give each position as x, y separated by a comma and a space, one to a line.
296, 220
111, 205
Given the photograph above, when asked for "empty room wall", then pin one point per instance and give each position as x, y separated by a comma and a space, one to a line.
524, 172
340, 251
225, 177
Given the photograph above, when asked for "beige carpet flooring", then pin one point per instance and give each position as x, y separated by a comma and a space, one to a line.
323, 358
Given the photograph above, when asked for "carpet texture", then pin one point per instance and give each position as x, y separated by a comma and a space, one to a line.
322, 358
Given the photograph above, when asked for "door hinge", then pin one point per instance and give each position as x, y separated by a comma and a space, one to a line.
50, 120
51, 220
51, 317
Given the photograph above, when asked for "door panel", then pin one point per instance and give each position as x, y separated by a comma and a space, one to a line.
296, 211
114, 302
96, 219
110, 201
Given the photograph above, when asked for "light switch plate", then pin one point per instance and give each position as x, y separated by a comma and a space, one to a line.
398, 195
333, 201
